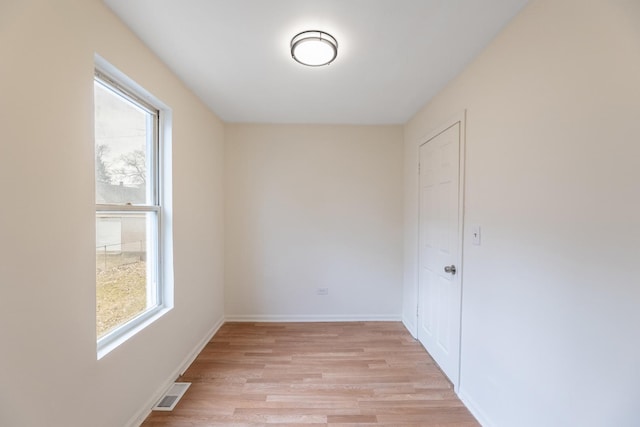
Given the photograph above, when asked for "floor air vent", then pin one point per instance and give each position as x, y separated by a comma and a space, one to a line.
171, 397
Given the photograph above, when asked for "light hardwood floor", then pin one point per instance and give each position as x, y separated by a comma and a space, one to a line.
315, 374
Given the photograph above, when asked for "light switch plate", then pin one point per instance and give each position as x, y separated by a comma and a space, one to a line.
475, 232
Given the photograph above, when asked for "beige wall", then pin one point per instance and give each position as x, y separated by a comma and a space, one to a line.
312, 207
48, 364
551, 297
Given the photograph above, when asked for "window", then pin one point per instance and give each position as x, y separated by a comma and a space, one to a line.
130, 290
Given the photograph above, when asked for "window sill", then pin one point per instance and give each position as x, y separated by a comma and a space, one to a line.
115, 338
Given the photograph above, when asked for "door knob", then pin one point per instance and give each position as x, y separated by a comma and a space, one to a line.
450, 269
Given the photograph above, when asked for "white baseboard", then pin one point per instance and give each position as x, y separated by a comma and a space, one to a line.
188, 360
474, 408
144, 412
411, 326
312, 318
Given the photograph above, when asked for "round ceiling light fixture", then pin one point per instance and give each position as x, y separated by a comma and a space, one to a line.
314, 48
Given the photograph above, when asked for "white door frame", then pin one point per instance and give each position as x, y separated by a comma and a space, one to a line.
462, 119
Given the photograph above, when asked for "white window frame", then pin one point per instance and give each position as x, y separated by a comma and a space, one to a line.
160, 269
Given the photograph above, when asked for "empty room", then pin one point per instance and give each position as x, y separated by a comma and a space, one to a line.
341, 213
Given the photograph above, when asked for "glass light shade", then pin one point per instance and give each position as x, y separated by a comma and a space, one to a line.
314, 48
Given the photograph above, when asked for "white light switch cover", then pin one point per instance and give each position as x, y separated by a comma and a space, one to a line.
475, 232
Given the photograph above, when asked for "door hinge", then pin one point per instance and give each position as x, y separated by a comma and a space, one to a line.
418, 168
417, 311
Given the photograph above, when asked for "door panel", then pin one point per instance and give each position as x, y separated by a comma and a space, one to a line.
439, 299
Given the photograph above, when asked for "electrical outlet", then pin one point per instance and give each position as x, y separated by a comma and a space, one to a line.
322, 291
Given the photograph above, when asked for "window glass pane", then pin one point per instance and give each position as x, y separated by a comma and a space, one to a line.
126, 282
124, 143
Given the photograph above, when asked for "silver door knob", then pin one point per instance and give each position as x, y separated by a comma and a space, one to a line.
450, 269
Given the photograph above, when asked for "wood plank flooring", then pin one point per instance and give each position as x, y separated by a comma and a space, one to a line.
312, 375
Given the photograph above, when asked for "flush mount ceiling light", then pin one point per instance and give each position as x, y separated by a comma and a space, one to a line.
314, 48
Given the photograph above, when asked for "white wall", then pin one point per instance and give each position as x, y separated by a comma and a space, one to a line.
551, 298
309, 207
50, 375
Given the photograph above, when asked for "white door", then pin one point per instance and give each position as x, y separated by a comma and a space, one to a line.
439, 290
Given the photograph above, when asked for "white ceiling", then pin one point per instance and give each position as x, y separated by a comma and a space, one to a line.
393, 55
